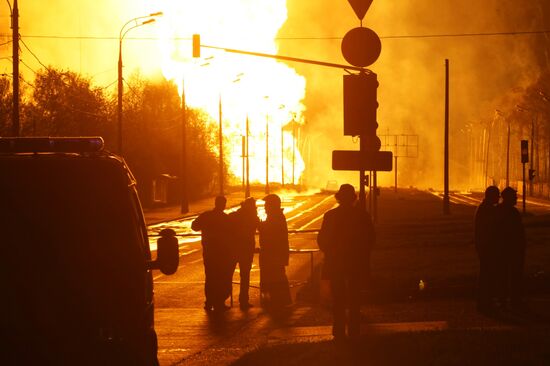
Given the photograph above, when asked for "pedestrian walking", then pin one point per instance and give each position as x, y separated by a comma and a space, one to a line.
512, 239
487, 248
345, 238
216, 254
244, 223
274, 253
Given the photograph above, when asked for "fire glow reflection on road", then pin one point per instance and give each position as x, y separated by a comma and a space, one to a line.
187, 237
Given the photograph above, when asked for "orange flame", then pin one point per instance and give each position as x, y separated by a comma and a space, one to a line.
258, 88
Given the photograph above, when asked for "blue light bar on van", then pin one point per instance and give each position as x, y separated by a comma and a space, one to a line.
50, 144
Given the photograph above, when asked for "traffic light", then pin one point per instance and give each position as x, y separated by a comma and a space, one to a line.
196, 45
524, 151
531, 174
360, 107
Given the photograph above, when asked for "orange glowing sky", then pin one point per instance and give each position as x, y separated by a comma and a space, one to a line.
83, 36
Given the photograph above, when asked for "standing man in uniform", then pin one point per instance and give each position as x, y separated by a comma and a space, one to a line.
346, 237
216, 253
244, 223
485, 229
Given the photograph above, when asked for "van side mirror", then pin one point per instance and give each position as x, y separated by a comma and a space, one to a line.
167, 252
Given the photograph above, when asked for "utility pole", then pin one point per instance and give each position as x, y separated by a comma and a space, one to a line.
220, 132
15, 58
183, 173
120, 91
282, 159
293, 147
446, 201
532, 154
267, 154
247, 189
243, 156
508, 156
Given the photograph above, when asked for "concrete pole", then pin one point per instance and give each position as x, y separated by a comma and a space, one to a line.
119, 97
220, 136
247, 189
183, 171
446, 201
15, 59
267, 154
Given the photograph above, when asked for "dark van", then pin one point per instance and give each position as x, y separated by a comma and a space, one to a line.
76, 286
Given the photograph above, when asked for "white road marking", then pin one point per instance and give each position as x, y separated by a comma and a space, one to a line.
301, 213
317, 218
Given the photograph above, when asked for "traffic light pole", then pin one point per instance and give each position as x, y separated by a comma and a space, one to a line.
362, 178
395, 167
523, 195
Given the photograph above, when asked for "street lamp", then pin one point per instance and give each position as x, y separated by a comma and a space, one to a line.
266, 149
122, 34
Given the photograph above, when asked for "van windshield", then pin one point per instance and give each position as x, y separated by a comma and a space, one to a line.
72, 245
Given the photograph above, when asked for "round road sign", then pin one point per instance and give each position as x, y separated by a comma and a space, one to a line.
361, 47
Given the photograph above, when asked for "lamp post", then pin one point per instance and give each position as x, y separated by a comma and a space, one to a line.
266, 149
122, 34
489, 130
220, 140
247, 152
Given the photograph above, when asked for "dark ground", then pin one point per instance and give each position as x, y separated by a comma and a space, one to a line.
417, 242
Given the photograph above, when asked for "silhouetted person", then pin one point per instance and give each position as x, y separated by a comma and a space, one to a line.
345, 238
244, 223
488, 251
274, 252
512, 239
216, 254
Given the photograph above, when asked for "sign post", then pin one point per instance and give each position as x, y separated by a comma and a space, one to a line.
361, 47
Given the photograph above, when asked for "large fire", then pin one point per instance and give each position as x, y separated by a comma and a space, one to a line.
267, 92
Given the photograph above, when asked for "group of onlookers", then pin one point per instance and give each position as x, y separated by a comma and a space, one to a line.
500, 245
229, 239
346, 238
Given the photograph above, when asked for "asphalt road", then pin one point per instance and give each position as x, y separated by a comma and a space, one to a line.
415, 242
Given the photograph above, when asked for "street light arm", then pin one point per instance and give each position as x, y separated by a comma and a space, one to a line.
135, 26
121, 35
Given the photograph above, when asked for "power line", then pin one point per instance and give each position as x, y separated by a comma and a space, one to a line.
28, 67
401, 36
32, 53
109, 85
26, 82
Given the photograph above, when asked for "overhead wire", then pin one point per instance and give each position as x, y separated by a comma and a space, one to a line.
34, 55
399, 36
